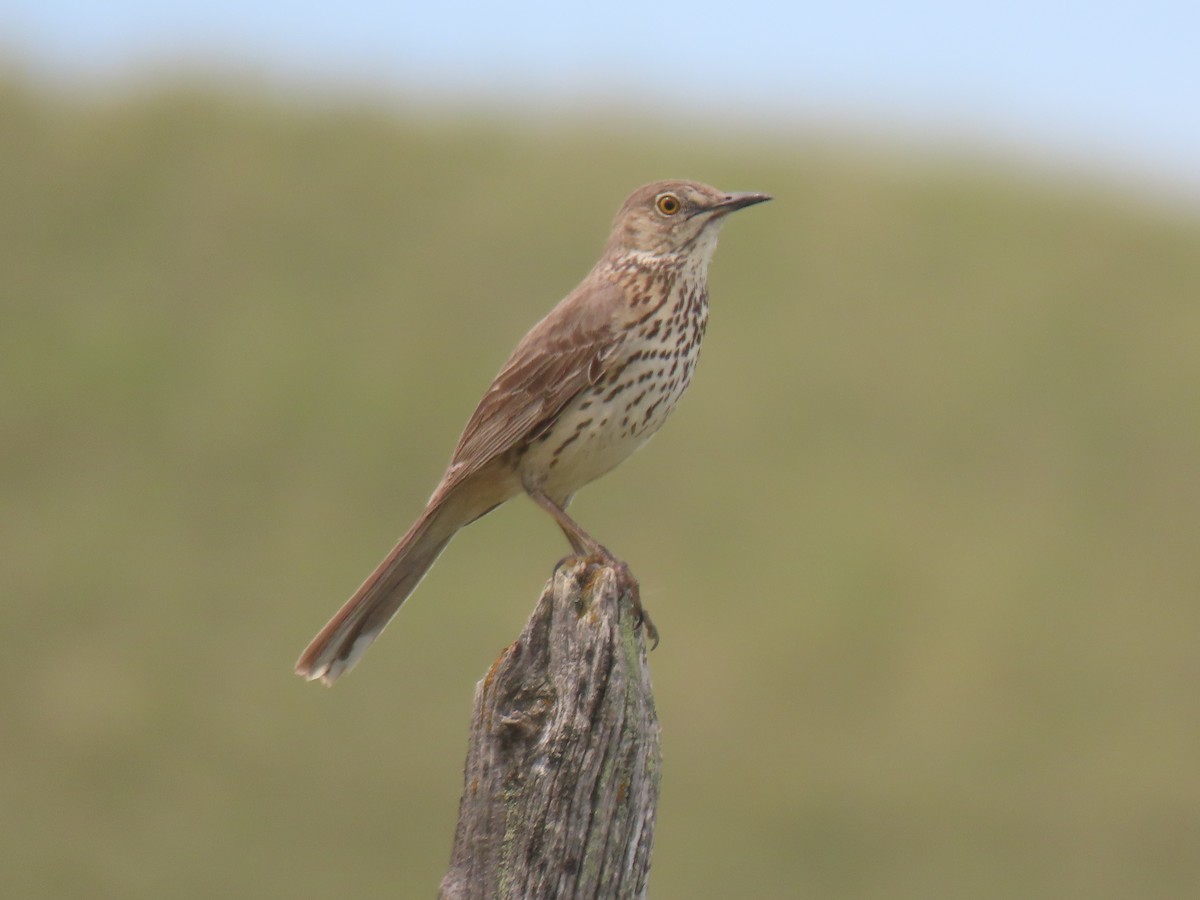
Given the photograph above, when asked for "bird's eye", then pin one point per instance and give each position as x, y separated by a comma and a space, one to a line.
668, 204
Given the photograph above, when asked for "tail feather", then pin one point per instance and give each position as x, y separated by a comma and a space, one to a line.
340, 644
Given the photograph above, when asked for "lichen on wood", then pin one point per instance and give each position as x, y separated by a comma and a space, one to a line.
562, 774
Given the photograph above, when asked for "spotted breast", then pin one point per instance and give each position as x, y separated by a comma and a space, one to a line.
630, 401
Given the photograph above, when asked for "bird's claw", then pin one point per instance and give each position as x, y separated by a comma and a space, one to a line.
626, 584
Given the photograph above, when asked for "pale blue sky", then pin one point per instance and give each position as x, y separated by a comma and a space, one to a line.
1118, 83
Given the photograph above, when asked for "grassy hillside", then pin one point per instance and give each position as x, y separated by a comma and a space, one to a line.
921, 541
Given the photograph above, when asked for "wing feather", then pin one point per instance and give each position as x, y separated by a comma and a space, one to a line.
563, 354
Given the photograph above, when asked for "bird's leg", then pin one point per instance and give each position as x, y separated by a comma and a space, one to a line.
581, 542
587, 546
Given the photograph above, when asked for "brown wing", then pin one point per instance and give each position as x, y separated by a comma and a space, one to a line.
564, 353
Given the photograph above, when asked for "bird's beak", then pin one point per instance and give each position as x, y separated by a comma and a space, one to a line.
738, 201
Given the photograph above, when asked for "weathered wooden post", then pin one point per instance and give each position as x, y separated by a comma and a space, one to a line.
562, 773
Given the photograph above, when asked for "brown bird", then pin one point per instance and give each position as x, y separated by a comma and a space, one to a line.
586, 387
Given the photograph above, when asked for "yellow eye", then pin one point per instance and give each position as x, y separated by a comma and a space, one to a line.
668, 204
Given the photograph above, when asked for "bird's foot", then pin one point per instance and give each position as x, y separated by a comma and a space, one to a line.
627, 584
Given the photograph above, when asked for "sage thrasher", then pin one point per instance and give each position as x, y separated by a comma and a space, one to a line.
587, 386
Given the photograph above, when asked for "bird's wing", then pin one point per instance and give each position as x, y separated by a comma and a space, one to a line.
563, 354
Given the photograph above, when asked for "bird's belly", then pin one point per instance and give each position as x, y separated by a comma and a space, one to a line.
605, 424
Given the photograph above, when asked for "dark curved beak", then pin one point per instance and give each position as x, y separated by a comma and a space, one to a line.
739, 201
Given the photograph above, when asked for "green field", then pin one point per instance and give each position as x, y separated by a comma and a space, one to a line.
923, 541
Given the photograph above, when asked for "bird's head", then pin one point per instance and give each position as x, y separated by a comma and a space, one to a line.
667, 218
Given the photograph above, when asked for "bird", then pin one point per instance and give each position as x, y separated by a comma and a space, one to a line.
586, 387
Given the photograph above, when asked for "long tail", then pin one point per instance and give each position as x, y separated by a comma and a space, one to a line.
340, 644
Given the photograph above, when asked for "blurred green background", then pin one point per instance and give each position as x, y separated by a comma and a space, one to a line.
921, 541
